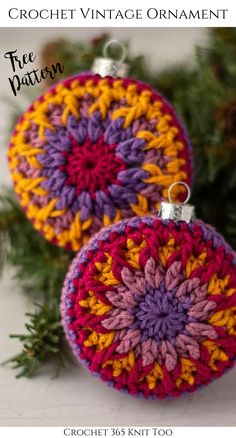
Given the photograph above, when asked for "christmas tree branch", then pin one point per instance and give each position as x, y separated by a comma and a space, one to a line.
40, 269
43, 341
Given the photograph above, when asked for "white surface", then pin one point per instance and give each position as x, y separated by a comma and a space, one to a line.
76, 398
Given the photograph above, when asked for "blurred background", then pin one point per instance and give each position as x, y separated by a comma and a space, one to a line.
195, 69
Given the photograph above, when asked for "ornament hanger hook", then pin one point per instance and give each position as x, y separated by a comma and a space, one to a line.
177, 183
178, 211
108, 66
121, 48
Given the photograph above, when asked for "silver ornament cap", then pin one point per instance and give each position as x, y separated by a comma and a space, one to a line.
177, 212
108, 66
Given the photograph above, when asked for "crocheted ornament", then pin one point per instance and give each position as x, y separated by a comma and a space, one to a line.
93, 150
149, 306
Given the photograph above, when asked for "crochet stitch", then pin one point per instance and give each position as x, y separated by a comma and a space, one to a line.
92, 151
149, 306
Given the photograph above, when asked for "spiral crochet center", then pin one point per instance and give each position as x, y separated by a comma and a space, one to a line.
160, 315
91, 166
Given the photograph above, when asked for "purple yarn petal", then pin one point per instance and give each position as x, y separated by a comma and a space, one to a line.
131, 150
122, 196
115, 132
78, 128
66, 197
55, 159
104, 205
86, 206
55, 182
58, 138
133, 178
96, 126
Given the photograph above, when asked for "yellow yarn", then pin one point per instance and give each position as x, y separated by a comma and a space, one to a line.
154, 376
94, 305
187, 372
194, 262
167, 250
108, 221
225, 318
216, 353
106, 275
99, 340
218, 286
133, 253
141, 208
126, 363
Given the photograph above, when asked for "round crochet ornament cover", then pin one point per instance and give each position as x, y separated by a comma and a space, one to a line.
92, 151
149, 306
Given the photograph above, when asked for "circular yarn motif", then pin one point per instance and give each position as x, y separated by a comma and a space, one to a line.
149, 306
92, 151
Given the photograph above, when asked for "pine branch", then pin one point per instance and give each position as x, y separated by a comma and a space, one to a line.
43, 341
40, 269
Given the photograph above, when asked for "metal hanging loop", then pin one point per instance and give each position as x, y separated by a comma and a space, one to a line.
178, 211
179, 183
119, 46
108, 66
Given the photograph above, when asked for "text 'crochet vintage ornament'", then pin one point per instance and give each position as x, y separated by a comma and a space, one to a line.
149, 306
92, 151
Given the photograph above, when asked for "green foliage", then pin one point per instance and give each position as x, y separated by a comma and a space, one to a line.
198, 97
43, 341
199, 93
40, 270
39, 267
